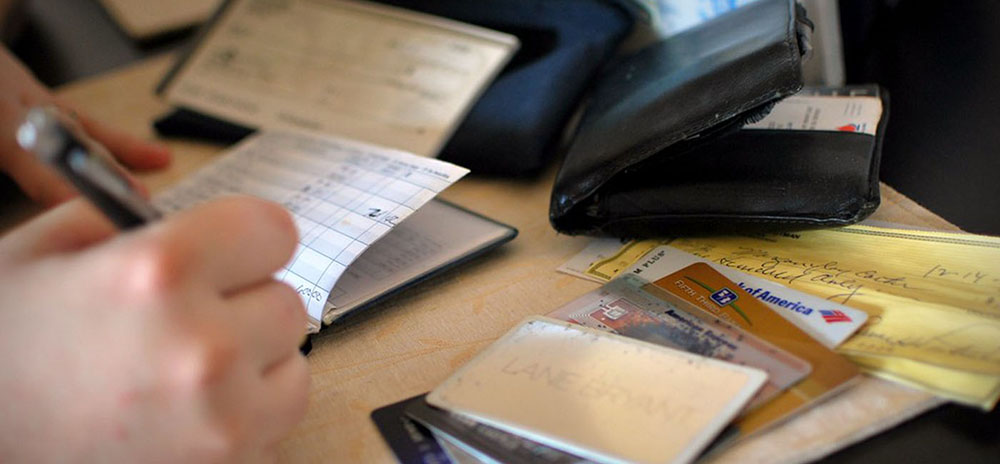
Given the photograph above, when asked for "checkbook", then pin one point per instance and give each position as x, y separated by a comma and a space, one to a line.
371, 87
597, 395
343, 195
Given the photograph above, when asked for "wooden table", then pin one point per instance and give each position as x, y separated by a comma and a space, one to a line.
414, 341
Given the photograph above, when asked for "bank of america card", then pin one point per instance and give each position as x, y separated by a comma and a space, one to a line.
830, 323
622, 306
486, 443
597, 395
411, 442
702, 291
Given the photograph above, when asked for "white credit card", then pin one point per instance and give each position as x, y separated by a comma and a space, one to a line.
841, 113
622, 306
597, 395
828, 322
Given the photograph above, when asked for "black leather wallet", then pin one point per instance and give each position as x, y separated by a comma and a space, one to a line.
750, 181
659, 151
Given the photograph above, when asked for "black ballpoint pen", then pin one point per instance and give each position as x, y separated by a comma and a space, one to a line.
57, 140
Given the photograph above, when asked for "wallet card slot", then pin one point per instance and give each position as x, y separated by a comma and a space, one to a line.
802, 178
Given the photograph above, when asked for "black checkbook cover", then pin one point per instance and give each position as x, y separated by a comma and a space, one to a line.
659, 150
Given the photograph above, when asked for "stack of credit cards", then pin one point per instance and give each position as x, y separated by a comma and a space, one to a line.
667, 362
419, 433
553, 391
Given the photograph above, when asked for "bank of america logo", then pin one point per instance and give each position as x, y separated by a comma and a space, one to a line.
833, 315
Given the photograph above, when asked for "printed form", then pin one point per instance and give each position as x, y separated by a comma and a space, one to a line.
361, 70
343, 195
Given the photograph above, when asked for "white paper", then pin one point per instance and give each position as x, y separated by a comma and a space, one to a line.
343, 196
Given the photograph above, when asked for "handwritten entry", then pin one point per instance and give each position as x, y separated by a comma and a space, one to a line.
933, 298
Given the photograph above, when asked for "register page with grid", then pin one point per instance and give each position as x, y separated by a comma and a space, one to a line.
343, 195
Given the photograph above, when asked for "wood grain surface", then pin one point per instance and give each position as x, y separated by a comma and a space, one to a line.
412, 342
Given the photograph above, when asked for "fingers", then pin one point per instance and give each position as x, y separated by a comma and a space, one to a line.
229, 243
22, 91
271, 319
69, 227
130, 151
44, 185
39, 182
120, 149
288, 396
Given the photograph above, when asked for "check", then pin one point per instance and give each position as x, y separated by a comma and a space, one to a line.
933, 298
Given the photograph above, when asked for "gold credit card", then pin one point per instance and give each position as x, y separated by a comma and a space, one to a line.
705, 292
598, 395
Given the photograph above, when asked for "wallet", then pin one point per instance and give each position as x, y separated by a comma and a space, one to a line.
660, 150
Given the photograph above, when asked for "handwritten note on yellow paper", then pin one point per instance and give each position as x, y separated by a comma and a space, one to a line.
933, 297
607, 268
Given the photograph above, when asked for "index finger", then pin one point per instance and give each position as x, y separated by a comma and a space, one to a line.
232, 242
131, 151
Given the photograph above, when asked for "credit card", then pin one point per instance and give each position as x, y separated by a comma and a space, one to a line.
597, 395
702, 291
623, 307
456, 452
830, 323
486, 443
840, 113
411, 442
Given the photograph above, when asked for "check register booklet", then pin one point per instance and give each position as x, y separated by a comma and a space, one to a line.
345, 95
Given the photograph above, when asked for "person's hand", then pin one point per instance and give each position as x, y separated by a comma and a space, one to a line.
170, 343
21, 91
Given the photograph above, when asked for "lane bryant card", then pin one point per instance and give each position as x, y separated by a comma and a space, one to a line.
622, 307
598, 395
